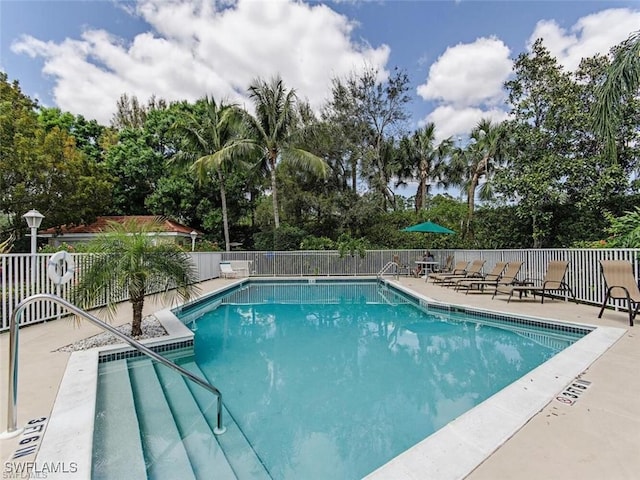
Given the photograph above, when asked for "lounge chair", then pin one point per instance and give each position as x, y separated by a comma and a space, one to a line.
492, 277
458, 269
474, 270
448, 265
508, 278
621, 285
226, 271
553, 281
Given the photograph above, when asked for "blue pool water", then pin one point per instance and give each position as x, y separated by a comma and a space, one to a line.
332, 380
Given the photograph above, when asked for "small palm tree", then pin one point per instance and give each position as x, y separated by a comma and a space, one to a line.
130, 258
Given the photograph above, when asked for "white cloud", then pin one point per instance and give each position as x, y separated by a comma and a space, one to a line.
469, 74
454, 122
591, 35
466, 82
198, 47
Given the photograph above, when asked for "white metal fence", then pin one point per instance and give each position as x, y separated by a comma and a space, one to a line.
21, 277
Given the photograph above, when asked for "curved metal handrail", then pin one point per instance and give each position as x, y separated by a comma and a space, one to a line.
384, 269
12, 410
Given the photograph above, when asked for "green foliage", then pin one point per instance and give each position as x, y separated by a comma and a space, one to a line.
317, 243
352, 246
621, 83
129, 258
322, 179
624, 230
286, 237
42, 168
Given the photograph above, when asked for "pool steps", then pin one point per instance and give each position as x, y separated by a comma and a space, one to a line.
128, 460
172, 434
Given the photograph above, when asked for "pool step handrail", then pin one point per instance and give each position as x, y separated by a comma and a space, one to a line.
12, 401
387, 266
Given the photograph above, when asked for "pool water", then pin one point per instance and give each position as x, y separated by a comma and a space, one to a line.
334, 380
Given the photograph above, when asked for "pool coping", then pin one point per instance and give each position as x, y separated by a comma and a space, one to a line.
459, 447
452, 452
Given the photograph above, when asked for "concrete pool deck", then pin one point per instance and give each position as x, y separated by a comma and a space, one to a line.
597, 437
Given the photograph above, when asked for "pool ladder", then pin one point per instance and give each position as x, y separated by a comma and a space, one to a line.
388, 265
12, 401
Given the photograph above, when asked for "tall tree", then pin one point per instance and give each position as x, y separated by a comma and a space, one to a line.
486, 152
373, 111
541, 138
424, 160
42, 168
212, 141
274, 130
130, 113
622, 80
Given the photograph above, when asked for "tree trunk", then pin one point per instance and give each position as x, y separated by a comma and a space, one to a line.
223, 200
422, 189
274, 194
354, 173
136, 322
418, 200
471, 202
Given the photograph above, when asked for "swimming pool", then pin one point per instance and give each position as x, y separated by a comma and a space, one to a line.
331, 379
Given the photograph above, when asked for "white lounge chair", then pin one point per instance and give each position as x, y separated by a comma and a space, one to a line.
226, 271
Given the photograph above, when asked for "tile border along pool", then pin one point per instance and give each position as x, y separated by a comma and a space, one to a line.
450, 453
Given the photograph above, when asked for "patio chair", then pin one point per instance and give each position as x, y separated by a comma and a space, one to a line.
553, 281
226, 271
508, 277
492, 277
446, 268
474, 270
620, 284
458, 269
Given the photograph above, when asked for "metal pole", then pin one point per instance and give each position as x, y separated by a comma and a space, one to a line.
34, 248
12, 399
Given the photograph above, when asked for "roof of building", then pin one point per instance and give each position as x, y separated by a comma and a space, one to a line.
101, 223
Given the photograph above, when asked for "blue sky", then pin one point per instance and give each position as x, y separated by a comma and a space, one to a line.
82, 55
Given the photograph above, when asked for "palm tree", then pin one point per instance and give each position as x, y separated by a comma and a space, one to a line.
476, 161
213, 140
130, 258
425, 159
622, 78
274, 131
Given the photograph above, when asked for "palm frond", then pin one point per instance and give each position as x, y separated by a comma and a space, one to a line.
623, 78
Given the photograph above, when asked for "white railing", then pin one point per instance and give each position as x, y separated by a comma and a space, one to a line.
19, 281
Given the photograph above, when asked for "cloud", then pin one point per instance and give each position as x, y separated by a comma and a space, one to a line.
453, 121
591, 35
466, 82
469, 74
196, 47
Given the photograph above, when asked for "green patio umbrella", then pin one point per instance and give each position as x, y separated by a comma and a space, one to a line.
427, 227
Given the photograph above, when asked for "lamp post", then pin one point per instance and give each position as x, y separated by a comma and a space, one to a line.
33, 219
194, 235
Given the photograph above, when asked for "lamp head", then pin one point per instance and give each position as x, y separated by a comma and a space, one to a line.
33, 218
